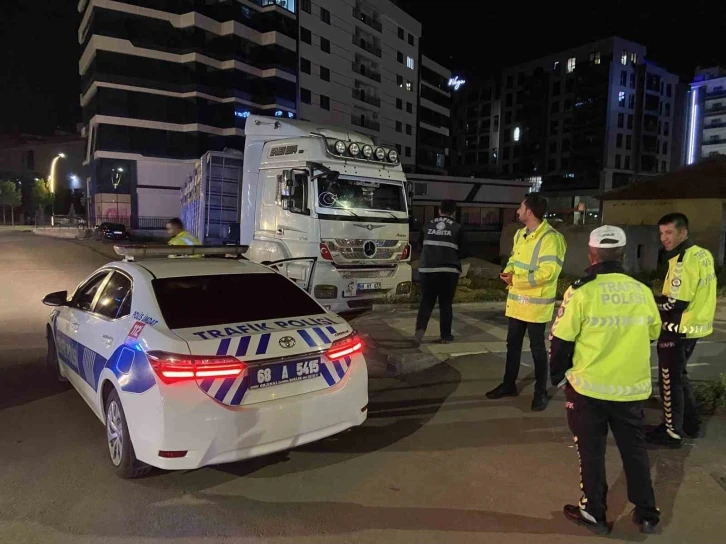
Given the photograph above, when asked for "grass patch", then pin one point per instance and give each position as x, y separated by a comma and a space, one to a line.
711, 395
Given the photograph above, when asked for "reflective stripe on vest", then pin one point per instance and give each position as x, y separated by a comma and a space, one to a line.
440, 244
622, 321
684, 329
439, 269
582, 385
522, 299
533, 263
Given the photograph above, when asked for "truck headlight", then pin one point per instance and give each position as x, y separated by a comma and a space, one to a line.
404, 288
367, 151
340, 147
325, 291
381, 154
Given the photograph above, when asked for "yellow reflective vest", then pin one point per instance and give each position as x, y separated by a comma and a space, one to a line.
184, 239
536, 263
691, 288
612, 320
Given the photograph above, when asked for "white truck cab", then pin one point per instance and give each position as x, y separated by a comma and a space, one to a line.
325, 206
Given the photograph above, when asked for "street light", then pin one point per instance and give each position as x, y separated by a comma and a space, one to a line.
52, 181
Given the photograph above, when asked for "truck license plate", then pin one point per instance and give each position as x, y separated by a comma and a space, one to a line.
369, 286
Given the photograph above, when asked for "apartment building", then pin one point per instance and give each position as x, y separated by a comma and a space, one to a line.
706, 115
434, 118
575, 123
359, 69
164, 81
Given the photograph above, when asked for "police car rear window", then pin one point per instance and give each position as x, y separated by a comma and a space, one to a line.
201, 301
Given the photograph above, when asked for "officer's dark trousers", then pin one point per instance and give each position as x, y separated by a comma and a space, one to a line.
515, 339
439, 286
589, 419
675, 388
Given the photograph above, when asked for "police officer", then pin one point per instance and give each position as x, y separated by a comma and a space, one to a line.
179, 236
444, 245
600, 352
531, 276
687, 307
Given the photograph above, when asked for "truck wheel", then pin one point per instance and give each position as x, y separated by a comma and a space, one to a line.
120, 448
51, 360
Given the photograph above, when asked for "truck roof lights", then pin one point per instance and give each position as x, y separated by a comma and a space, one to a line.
368, 151
340, 147
393, 155
354, 149
381, 154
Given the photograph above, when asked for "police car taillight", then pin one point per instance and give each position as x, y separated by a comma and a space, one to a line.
173, 368
325, 253
406, 252
344, 347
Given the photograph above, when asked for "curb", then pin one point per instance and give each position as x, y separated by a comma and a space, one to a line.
386, 363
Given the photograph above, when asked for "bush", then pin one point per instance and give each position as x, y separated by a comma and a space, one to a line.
711, 395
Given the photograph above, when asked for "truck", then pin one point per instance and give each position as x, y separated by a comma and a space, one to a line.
325, 206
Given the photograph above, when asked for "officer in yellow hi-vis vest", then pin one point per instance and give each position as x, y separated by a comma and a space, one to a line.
688, 307
179, 236
531, 276
600, 352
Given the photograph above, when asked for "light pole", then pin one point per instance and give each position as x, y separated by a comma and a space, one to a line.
52, 183
116, 174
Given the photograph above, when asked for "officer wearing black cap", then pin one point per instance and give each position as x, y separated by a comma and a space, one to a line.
444, 245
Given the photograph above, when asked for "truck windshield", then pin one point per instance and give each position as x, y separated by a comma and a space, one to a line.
345, 194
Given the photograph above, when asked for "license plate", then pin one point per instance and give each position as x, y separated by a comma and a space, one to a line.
282, 373
369, 286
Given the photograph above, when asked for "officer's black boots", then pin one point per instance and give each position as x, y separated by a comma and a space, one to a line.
660, 437
501, 391
692, 427
540, 401
447, 339
418, 337
574, 514
647, 521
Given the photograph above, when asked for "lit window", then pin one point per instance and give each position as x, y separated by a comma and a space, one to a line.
571, 65
634, 58
556, 66
621, 99
595, 57
516, 134
410, 63
409, 85
624, 58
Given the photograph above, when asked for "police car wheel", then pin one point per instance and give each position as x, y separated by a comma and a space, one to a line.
51, 360
120, 448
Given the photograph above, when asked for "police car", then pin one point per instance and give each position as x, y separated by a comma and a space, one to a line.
193, 362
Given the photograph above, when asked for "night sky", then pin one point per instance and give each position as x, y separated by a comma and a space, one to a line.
39, 49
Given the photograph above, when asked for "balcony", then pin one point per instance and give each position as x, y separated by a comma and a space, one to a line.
368, 20
365, 45
363, 70
715, 125
716, 93
714, 141
360, 94
718, 110
365, 123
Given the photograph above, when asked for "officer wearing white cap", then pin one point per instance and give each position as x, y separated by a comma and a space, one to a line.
600, 353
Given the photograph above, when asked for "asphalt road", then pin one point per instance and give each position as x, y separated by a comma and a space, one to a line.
435, 462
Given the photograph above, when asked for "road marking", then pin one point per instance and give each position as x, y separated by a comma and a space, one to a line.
470, 353
690, 365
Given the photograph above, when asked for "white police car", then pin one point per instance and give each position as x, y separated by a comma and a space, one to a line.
192, 362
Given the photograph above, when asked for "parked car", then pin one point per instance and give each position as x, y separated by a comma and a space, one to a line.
112, 231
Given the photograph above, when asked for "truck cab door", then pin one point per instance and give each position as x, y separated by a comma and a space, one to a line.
267, 212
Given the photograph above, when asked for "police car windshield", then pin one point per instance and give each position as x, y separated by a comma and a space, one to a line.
201, 301
344, 194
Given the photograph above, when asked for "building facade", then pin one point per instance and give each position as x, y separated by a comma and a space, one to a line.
164, 81
434, 118
575, 123
359, 69
706, 115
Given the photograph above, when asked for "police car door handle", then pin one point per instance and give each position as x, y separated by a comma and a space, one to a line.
108, 340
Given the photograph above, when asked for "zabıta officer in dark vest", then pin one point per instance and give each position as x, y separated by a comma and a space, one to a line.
444, 245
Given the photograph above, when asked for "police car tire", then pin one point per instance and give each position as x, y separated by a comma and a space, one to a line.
51, 360
130, 467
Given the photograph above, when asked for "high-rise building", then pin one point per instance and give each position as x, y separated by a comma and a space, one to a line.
165, 81
359, 69
434, 118
706, 115
574, 123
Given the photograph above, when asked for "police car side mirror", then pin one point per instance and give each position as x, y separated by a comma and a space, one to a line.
56, 299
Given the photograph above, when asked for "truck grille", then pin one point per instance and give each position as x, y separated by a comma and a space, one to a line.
358, 255
359, 243
361, 274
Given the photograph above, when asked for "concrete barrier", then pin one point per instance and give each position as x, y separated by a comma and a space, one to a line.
69, 233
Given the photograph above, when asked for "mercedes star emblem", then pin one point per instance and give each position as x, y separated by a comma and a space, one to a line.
287, 342
369, 249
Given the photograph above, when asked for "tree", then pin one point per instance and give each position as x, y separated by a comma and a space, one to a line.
41, 195
10, 197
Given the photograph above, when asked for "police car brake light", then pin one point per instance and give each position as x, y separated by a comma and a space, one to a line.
345, 346
171, 368
325, 253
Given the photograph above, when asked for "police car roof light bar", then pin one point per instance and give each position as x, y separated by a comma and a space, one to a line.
139, 252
